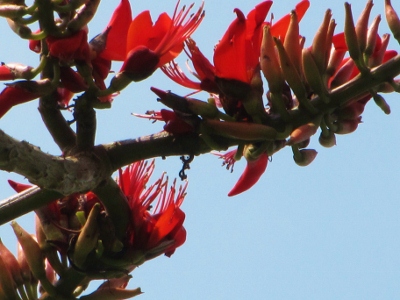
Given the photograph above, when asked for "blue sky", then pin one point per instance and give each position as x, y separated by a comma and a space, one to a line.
326, 231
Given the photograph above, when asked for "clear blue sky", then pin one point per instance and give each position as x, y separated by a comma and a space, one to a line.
326, 231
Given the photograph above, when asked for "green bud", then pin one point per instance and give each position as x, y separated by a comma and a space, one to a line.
362, 26
320, 49
88, 238
33, 254
7, 284
392, 19
327, 140
12, 11
304, 157
202, 108
22, 30
241, 130
381, 102
293, 78
270, 64
303, 132
84, 15
313, 75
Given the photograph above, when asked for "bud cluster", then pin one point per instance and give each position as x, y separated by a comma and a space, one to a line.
309, 88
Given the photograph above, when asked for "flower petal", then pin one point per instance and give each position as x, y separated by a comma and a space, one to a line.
117, 32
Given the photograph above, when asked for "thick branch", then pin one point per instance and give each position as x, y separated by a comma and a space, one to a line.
65, 175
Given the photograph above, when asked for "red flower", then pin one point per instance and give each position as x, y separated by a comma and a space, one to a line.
251, 174
166, 36
173, 123
161, 230
13, 95
204, 70
117, 31
279, 29
73, 47
144, 46
18, 187
5, 73
237, 54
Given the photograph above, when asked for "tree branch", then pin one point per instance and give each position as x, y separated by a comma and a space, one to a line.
65, 175
25, 202
161, 144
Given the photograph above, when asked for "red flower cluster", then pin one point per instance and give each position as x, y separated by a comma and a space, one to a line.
237, 55
156, 232
144, 46
151, 231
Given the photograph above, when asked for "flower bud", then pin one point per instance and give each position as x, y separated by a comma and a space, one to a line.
11, 264
292, 42
293, 77
350, 34
351, 111
14, 95
33, 254
291, 74
72, 80
202, 108
7, 284
327, 140
382, 54
254, 169
83, 15
347, 126
362, 26
372, 36
88, 238
304, 157
140, 63
22, 30
320, 48
241, 130
17, 70
172, 100
381, 102
12, 11
392, 19
26, 272
312, 73
270, 64
303, 133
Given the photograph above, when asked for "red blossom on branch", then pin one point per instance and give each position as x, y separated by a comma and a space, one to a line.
13, 95
143, 45
161, 230
73, 47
